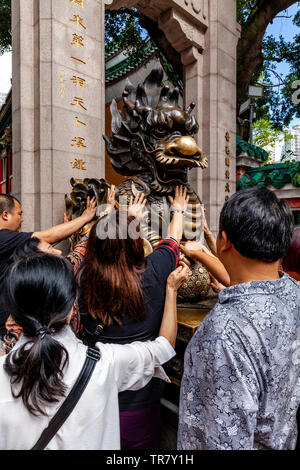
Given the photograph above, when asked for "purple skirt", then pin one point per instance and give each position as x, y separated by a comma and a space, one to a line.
140, 429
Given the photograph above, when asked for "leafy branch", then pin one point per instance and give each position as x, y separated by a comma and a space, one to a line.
5, 26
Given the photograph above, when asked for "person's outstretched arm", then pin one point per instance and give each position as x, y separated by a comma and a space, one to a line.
216, 285
62, 231
77, 254
168, 327
178, 206
209, 238
198, 252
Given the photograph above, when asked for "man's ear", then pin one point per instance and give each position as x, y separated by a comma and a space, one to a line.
224, 242
5, 216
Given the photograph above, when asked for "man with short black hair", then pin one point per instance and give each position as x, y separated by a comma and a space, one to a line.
240, 388
11, 218
7, 203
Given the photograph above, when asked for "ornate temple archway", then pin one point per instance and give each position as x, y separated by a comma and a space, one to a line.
58, 94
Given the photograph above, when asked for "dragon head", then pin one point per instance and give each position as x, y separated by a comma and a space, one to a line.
153, 137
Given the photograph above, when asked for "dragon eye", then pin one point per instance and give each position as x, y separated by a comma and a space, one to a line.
161, 130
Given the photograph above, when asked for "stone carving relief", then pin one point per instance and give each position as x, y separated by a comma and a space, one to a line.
198, 6
180, 32
189, 30
196, 10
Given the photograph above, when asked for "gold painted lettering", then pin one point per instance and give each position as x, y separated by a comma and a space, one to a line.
78, 102
78, 142
78, 20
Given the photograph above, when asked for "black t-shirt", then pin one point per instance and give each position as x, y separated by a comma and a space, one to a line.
159, 265
9, 240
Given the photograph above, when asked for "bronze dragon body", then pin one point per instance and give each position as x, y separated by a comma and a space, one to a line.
153, 145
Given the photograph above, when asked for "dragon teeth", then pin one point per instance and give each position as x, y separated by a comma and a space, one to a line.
171, 160
168, 160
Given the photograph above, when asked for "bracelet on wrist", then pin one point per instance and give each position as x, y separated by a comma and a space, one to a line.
103, 213
176, 211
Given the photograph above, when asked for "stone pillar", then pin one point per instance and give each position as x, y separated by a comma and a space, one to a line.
219, 107
186, 34
192, 60
207, 43
58, 102
23, 124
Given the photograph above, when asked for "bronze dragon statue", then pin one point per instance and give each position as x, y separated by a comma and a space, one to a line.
153, 145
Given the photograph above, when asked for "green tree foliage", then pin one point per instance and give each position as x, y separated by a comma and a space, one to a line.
258, 56
282, 104
266, 135
5, 25
131, 30
122, 29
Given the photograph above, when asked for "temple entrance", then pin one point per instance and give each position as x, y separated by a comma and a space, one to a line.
59, 95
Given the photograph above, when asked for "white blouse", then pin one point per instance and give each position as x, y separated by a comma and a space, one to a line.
94, 422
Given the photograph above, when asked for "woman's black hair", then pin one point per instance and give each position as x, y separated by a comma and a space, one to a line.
28, 248
258, 224
40, 291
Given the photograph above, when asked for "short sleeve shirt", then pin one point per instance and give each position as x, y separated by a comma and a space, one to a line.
240, 388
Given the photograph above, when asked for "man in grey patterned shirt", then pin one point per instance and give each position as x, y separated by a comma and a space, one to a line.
241, 387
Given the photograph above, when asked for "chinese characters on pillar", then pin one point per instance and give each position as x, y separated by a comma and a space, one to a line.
78, 81
78, 164
78, 2
77, 40
79, 101
62, 84
227, 166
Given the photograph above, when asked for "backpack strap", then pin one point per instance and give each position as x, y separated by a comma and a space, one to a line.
92, 356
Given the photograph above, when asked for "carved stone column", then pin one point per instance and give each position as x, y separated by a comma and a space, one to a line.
24, 78
58, 102
192, 60
188, 38
219, 107
207, 44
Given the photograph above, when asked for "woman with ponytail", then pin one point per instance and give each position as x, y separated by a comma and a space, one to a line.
40, 291
39, 372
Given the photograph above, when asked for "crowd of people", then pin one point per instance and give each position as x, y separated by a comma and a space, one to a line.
106, 304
